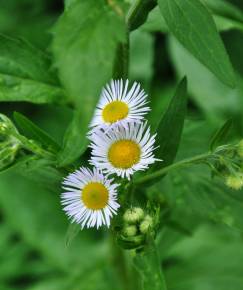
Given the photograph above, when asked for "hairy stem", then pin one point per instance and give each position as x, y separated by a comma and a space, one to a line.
183, 163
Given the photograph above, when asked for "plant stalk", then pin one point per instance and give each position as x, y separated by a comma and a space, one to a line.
183, 163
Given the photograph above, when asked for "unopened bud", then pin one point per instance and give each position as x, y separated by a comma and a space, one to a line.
133, 215
235, 181
146, 224
130, 230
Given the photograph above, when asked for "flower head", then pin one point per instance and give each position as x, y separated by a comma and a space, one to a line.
119, 105
235, 181
123, 150
90, 199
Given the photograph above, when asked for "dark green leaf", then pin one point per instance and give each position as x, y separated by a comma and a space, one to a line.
149, 267
25, 74
221, 135
138, 13
193, 26
170, 127
85, 55
32, 131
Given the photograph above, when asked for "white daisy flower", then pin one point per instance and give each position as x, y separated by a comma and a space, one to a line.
123, 150
90, 199
119, 105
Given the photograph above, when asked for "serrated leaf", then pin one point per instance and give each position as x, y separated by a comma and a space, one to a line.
221, 135
25, 74
84, 57
149, 267
193, 25
170, 127
32, 131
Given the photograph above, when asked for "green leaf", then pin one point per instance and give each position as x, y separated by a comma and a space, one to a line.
192, 24
40, 170
224, 9
85, 55
32, 131
138, 13
25, 74
72, 232
210, 259
215, 99
75, 141
221, 135
149, 267
170, 127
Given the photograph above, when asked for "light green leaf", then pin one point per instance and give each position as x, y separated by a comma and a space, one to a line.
192, 24
25, 74
209, 260
85, 57
214, 98
148, 265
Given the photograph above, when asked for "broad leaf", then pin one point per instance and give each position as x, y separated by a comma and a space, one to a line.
32, 131
192, 24
85, 56
25, 74
170, 127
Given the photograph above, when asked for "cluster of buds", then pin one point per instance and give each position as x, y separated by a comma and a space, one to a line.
9, 144
230, 165
138, 225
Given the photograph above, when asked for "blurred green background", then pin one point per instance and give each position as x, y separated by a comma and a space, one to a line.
203, 249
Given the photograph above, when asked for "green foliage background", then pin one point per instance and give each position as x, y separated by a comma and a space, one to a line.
54, 59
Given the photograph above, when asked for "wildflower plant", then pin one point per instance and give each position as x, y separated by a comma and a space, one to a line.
125, 168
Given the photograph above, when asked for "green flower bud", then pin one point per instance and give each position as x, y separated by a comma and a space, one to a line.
240, 149
146, 224
133, 215
6, 125
235, 181
8, 151
130, 230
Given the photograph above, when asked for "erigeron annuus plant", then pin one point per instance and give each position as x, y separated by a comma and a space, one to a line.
114, 166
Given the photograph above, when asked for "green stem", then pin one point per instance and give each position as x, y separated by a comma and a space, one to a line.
182, 163
32, 146
121, 66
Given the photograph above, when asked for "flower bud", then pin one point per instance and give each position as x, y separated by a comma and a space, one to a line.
146, 224
8, 151
130, 230
235, 181
240, 149
133, 215
6, 127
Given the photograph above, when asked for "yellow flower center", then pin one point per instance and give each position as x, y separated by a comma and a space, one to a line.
124, 154
115, 111
95, 195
